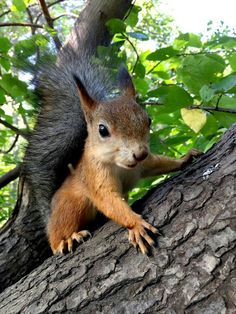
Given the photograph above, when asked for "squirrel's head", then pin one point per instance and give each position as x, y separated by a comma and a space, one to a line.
118, 129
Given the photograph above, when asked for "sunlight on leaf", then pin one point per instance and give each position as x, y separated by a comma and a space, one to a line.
194, 118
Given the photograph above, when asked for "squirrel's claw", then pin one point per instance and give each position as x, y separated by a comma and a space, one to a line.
67, 245
138, 233
79, 236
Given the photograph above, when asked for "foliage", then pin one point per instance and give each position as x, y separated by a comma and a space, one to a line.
186, 83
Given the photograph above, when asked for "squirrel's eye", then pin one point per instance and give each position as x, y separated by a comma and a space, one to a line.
149, 121
103, 130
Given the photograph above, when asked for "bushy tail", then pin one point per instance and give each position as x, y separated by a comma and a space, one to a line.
60, 131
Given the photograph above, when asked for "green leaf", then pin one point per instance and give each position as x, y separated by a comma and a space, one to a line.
200, 70
224, 41
25, 48
138, 35
172, 97
162, 74
2, 97
210, 127
40, 40
225, 84
162, 54
5, 44
206, 93
194, 41
141, 85
140, 70
132, 18
187, 40
18, 5
227, 102
13, 85
176, 140
5, 63
116, 26
51, 31
232, 61
225, 119
194, 118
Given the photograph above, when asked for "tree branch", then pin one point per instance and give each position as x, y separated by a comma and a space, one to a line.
135, 50
209, 108
50, 21
21, 24
5, 13
12, 146
13, 128
153, 68
10, 176
65, 14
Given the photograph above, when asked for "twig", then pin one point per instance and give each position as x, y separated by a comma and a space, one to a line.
49, 21
4, 13
33, 30
21, 24
153, 68
135, 50
129, 11
208, 108
13, 128
65, 14
218, 100
31, 20
25, 122
49, 5
10, 176
12, 146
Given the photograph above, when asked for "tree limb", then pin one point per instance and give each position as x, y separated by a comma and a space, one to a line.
65, 14
210, 108
15, 129
50, 21
135, 51
192, 270
21, 24
11, 147
10, 176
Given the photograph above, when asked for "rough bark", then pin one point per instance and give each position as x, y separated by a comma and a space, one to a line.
23, 245
192, 270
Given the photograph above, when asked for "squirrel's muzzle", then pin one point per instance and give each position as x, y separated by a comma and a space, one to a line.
139, 156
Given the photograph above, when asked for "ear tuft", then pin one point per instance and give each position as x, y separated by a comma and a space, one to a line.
86, 100
125, 82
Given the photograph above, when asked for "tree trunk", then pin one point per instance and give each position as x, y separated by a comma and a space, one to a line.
23, 244
192, 270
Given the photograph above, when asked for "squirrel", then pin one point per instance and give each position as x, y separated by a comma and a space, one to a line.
115, 157
82, 122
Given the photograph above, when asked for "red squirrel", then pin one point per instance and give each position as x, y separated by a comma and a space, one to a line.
116, 156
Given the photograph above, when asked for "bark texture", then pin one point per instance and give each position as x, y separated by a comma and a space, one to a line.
23, 244
192, 270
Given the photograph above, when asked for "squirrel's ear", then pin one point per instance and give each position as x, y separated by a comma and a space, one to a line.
86, 101
125, 82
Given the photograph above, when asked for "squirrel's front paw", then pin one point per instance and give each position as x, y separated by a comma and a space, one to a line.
67, 245
188, 158
138, 233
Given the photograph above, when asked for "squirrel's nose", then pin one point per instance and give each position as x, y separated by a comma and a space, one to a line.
140, 155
